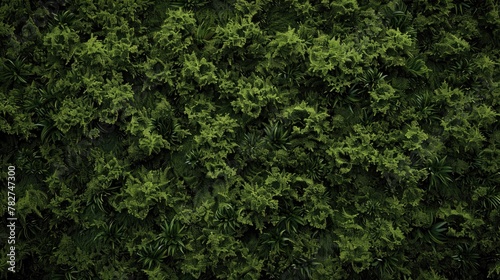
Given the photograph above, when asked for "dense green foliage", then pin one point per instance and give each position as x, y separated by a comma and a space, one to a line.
266, 139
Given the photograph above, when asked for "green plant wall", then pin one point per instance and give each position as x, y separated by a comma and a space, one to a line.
235, 139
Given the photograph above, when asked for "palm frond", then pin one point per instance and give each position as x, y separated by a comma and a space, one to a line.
467, 259
301, 269
226, 218
437, 232
371, 78
493, 201
112, 234
252, 144
171, 237
439, 172
275, 241
14, 71
425, 105
314, 167
151, 255
63, 19
396, 16
194, 157
277, 135
416, 66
